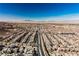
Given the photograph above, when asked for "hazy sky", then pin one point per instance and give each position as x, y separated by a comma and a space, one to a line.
39, 11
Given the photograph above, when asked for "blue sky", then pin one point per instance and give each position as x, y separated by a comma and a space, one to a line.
39, 11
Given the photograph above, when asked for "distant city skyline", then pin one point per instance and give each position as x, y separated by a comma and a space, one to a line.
39, 11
